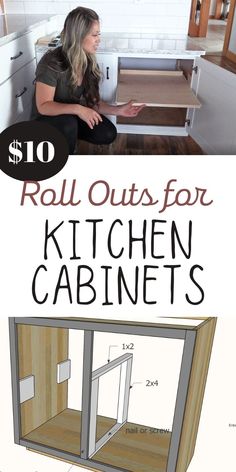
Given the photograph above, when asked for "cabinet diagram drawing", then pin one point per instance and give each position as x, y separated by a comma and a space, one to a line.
110, 395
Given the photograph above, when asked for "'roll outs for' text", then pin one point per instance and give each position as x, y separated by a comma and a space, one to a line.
101, 193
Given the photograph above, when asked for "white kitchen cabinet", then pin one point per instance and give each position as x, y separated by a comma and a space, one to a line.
17, 73
16, 96
16, 77
15, 55
208, 115
213, 126
161, 81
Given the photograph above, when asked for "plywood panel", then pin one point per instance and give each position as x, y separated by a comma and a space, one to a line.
156, 116
199, 371
131, 448
156, 88
64, 430
61, 432
40, 349
135, 449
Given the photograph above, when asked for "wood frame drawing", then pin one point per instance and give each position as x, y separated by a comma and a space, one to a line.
198, 341
125, 363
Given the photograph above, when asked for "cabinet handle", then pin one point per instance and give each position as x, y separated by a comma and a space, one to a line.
18, 95
16, 57
108, 77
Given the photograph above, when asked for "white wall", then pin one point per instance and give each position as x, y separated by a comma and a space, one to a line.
167, 17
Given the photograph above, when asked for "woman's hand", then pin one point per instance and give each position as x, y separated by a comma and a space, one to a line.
90, 116
129, 109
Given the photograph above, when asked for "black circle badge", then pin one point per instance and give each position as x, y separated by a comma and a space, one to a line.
32, 150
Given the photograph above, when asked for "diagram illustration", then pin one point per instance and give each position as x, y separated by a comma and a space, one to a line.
110, 395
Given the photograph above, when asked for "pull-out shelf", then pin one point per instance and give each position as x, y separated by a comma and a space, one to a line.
167, 95
156, 88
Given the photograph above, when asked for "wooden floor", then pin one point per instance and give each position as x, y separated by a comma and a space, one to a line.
133, 448
137, 144
213, 45
214, 40
221, 61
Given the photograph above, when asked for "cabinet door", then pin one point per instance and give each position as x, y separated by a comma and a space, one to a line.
108, 84
16, 96
213, 125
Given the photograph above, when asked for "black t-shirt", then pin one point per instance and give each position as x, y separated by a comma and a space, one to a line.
50, 74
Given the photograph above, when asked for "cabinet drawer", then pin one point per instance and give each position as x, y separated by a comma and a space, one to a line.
15, 54
16, 95
156, 88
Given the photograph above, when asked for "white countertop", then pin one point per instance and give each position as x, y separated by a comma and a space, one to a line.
13, 26
151, 44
